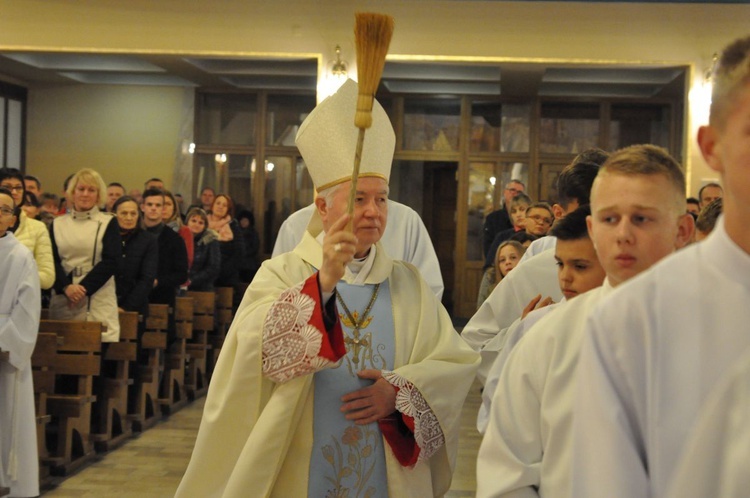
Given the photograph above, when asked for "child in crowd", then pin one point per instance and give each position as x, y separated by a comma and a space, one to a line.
539, 218
507, 256
578, 271
518, 206
19, 323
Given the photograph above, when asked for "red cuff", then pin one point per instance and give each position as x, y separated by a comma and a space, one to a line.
398, 430
332, 347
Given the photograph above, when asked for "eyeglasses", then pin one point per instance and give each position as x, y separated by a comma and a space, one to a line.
514, 190
6, 211
540, 219
13, 188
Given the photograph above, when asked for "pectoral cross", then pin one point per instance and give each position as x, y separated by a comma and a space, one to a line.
355, 343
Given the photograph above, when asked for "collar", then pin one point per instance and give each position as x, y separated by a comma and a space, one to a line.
84, 215
157, 229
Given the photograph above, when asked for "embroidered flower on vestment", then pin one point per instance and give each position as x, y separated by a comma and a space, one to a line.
291, 345
352, 435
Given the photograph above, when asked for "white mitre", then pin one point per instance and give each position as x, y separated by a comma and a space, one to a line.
327, 140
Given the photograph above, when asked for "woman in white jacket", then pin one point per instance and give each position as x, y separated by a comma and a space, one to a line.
87, 249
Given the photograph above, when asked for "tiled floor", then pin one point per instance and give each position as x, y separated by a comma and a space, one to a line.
151, 465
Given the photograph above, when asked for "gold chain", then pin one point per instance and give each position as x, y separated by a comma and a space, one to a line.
365, 313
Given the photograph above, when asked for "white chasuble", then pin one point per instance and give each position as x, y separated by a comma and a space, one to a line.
257, 432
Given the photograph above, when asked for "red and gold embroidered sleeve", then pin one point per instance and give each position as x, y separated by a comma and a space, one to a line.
416, 434
295, 340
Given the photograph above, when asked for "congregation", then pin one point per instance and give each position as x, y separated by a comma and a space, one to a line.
586, 332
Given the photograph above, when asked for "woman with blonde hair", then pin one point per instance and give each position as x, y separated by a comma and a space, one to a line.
506, 258
87, 248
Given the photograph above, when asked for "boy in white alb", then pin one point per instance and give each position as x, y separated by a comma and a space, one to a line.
20, 305
655, 349
637, 218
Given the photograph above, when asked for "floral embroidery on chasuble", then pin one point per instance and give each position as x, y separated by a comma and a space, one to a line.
348, 460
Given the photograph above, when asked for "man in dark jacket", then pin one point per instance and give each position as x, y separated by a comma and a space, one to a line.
173, 261
499, 220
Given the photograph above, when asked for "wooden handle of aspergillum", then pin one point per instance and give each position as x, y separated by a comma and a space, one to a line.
355, 174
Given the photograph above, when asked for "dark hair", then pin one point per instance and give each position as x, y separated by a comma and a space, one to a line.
116, 184
208, 188
49, 196
573, 225
704, 187
6, 173
153, 180
523, 236
33, 179
575, 181
709, 214
152, 192
122, 200
246, 213
693, 200
30, 199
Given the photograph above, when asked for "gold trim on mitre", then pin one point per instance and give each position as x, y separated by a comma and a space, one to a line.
327, 140
346, 179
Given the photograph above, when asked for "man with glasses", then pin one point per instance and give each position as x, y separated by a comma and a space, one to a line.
499, 220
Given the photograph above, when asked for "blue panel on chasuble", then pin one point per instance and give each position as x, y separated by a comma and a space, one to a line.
349, 459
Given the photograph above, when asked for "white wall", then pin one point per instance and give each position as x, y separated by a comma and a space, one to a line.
128, 134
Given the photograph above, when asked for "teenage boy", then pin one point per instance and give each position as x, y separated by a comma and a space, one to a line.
637, 218
518, 207
656, 348
538, 275
539, 219
578, 271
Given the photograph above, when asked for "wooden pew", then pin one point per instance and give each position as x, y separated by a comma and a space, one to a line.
173, 394
224, 315
42, 370
196, 380
111, 425
144, 411
76, 364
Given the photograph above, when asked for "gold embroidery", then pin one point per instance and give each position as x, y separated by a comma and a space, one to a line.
360, 346
361, 443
